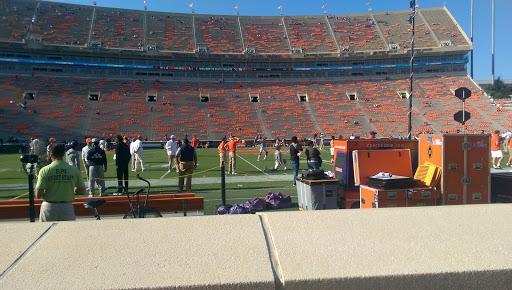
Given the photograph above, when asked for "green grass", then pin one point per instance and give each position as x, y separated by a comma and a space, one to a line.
208, 166
208, 160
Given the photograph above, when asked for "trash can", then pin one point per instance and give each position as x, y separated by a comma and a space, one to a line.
317, 194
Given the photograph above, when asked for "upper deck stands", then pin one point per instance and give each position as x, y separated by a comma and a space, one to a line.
70, 25
62, 24
265, 35
170, 32
356, 33
117, 28
444, 26
310, 33
15, 19
395, 28
219, 33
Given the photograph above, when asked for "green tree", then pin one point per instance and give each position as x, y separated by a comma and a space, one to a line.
499, 90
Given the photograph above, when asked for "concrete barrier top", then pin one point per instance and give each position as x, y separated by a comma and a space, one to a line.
428, 247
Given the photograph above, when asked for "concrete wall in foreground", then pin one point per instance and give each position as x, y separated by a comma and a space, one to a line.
429, 247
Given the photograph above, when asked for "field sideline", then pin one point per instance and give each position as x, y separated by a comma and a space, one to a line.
250, 182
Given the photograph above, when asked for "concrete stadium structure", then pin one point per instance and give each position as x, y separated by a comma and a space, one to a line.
442, 247
86, 70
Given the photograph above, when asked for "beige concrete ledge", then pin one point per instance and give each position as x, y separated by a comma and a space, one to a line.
429, 247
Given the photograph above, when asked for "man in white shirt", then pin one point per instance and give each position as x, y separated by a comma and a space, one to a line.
171, 146
85, 150
132, 153
138, 151
507, 135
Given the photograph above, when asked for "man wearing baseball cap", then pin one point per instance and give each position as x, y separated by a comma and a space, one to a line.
97, 167
85, 150
72, 156
53, 141
57, 185
372, 135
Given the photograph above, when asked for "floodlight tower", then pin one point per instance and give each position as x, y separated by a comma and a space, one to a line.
493, 42
473, 50
411, 91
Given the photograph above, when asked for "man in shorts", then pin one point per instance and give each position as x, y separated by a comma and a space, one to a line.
496, 150
57, 185
263, 147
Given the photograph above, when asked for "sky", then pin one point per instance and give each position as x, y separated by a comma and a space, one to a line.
460, 9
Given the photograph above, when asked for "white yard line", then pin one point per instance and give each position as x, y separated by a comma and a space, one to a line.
167, 172
251, 164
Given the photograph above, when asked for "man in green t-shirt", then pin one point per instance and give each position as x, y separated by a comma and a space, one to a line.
57, 184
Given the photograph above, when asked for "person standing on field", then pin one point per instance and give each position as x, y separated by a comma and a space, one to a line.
222, 151
295, 151
194, 142
123, 157
231, 145
496, 149
57, 185
172, 146
72, 156
97, 167
187, 157
85, 150
139, 153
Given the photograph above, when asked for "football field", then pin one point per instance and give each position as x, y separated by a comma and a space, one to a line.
250, 182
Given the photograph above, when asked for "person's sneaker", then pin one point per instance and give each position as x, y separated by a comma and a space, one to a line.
265, 158
144, 170
90, 195
229, 172
508, 164
258, 159
494, 166
294, 184
177, 170
498, 167
168, 171
234, 172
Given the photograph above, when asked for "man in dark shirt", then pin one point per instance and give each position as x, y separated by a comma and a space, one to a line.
123, 157
187, 157
97, 167
295, 150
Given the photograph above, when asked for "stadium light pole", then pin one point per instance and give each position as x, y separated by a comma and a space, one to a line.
411, 92
473, 50
493, 42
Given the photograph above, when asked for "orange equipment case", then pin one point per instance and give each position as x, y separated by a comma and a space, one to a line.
464, 162
371, 162
344, 168
380, 198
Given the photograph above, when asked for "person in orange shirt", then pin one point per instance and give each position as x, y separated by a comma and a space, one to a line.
372, 135
496, 150
231, 146
222, 151
194, 142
